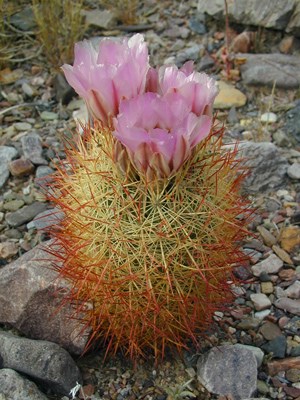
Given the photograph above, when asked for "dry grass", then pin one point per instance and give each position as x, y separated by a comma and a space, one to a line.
126, 10
60, 26
152, 260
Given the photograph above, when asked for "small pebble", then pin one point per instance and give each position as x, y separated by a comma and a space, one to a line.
293, 171
268, 118
49, 115
22, 126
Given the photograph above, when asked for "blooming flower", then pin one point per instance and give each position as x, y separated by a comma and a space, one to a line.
103, 78
198, 90
159, 132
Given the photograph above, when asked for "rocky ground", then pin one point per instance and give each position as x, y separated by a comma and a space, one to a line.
259, 335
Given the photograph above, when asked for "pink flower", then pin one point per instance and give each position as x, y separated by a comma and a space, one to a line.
198, 90
103, 78
159, 132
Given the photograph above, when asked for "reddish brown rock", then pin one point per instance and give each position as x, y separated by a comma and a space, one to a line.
270, 331
21, 167
283, 365
29, 301
287, 274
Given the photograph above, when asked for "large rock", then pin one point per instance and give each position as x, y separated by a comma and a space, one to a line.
25, 214
45, 362
271, 69
275, 14
228, 371
30, 301
14, 387
7, 153
267, 167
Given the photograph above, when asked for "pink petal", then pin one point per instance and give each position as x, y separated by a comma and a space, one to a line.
187, 68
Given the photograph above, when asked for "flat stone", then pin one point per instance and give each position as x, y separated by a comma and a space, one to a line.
25, 214
282, 254
249, 323
268, 118
270, 265
43, 361
229, 96
228, 371
46, 219
24, 19
258, 353
260, 301
290, 305
8, 249
266, 166
293, 171
292, 125
270, 331
276, 346
101, 18
267, 236
293, 375
49, 116
287, 274
290, 237
267, 287
283, 365
35, 307
266, 69
262, 314
13, 205
293, 291
15, 387
7, 153
21, 167
32, 148
273, 14
22, 126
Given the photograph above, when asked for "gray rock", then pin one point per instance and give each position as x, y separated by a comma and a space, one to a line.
269, 69
207, 62
32, 148
260, 301
31, 298
293, 326
294, 171
275, 14
292, 125
191, 53
258, 353
267, 167
276, 346
46, 219
43, 361
101, 18
15, 387
289, 305
228, 370
42, 171
293, 291
25, 214
249, 323
270, 265
24, 19
7, 154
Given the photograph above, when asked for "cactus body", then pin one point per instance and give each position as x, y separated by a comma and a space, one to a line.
148, 262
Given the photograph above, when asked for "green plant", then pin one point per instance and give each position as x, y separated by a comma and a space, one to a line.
60, 25
148, 262
180, 391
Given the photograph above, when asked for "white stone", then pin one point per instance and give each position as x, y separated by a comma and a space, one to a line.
262, 314
260, 301
268, 118
293, 171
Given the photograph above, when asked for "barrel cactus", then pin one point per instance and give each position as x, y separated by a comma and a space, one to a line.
153, 217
